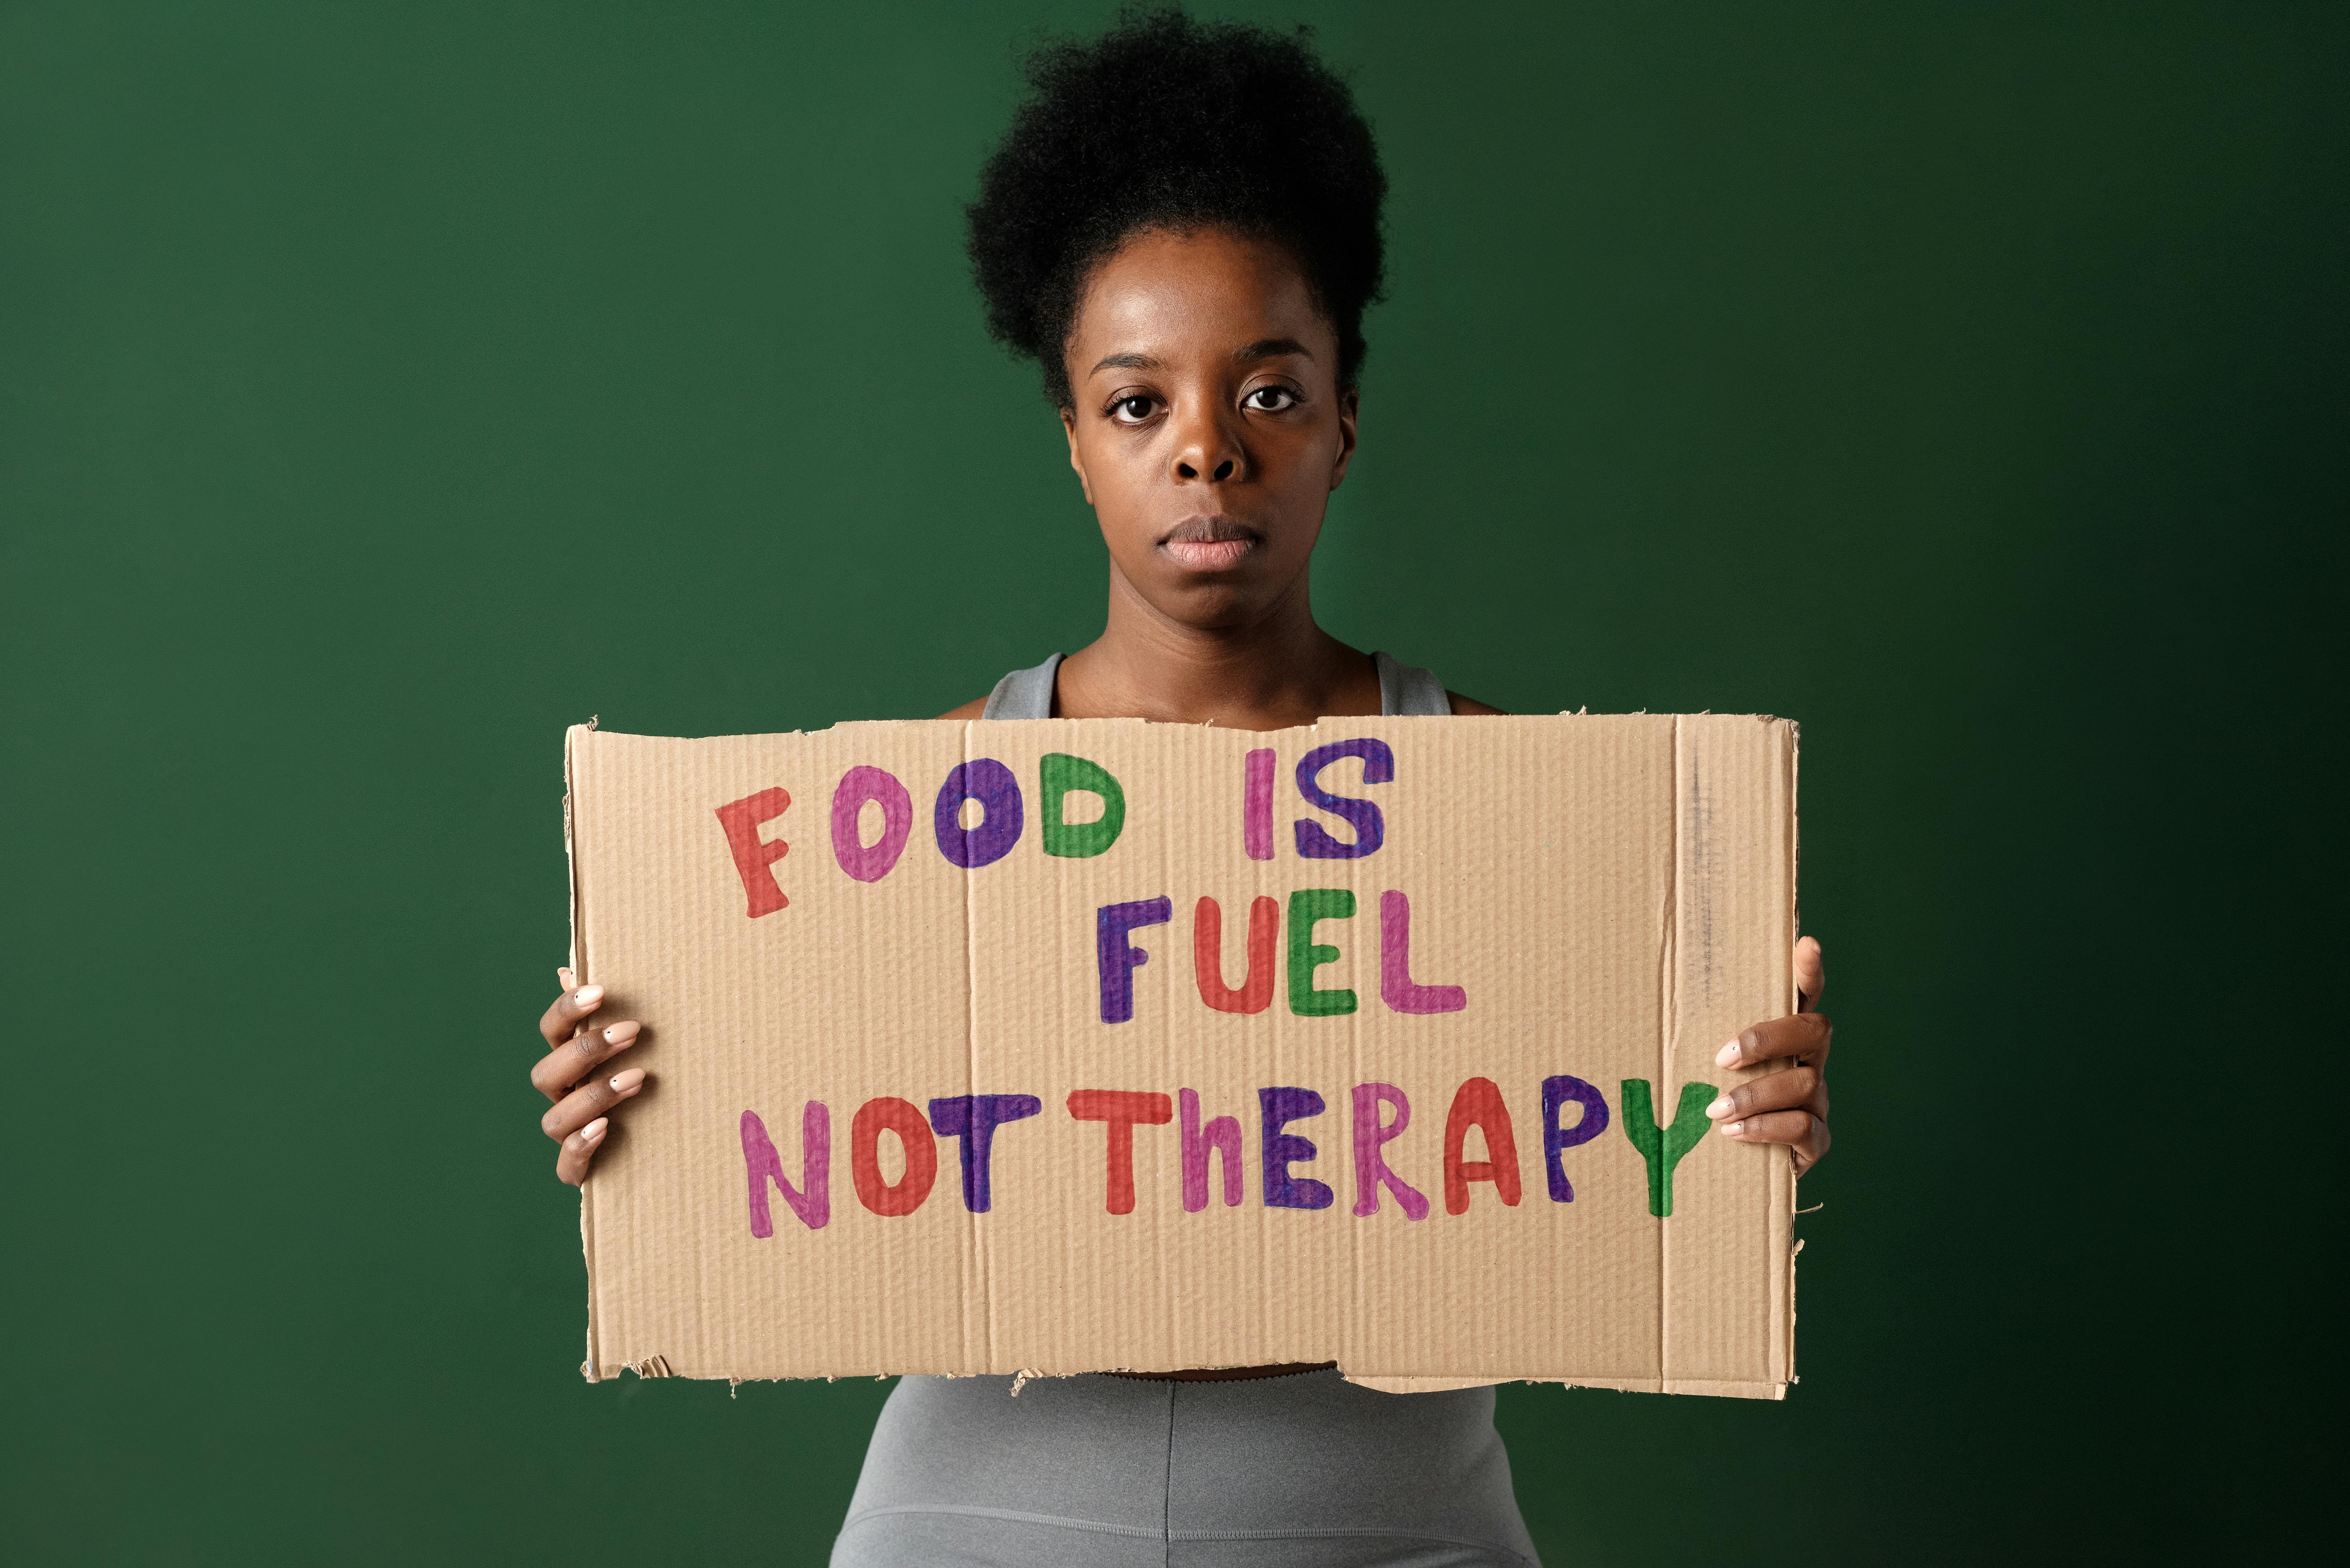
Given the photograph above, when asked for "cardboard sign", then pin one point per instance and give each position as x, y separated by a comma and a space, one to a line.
1061, 1046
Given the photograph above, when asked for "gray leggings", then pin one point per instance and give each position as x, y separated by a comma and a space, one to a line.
1301, 1471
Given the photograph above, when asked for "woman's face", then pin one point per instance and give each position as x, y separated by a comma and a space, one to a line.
1208, 430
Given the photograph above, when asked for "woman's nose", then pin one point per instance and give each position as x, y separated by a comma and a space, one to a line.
1208, 450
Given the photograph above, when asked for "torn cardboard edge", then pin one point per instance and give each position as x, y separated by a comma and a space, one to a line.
654, 1367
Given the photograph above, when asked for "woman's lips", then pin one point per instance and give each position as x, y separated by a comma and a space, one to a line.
1209, 555
1211, 543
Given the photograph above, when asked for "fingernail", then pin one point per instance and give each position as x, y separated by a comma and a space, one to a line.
1727, 1056
1731, 1129
1720, 1109
626, 1083
588, 994
595, 1130
620, 1031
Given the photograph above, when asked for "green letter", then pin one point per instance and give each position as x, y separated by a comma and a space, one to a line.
1307, 906
1056, 775
1663, 1149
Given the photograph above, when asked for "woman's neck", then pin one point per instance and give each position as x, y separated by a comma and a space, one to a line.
1276, 670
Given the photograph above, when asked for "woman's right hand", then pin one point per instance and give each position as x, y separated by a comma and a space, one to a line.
577, 1120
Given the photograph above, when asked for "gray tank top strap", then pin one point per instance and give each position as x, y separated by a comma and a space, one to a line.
1407, 690
1404, 690
1025, 693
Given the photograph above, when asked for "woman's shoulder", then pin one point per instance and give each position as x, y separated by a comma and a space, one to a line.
974, 709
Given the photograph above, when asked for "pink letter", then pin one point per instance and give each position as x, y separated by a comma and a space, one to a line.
1256, 807
857, 785
1224, 1135
759, 1161
1370, 1165
1395, 987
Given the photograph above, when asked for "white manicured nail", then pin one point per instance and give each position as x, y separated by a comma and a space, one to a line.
1732, 1130
1727, 1056
595, 1130
588, 996
1720, 1109
626, 1083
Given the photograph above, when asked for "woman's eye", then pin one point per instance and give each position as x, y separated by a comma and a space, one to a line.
1131, 410
1270, 399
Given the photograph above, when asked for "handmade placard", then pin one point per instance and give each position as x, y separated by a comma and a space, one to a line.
1078, 1045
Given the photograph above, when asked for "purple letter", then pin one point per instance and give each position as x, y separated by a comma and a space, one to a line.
1395, 987
1370, 1165
1279, 1107
1370, 828
990, 782
975, 1118
1119, 957
859, 785
1224, 1135
1556, 1091
811, 1200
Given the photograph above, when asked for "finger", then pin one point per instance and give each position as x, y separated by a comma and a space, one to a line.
1810, 1153
569, 1008
1804, 1037
571, 1160
583, 1106
1799, 1130
1811, 974
1797, 1088
576, 1057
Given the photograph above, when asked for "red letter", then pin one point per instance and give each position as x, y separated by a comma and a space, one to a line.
899, 1117
741, 819
1479, 1104
1121, 1108
1208, 956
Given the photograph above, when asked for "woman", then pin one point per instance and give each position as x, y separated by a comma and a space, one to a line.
1183, 227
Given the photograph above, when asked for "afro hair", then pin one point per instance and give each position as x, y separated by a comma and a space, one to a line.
1168, 122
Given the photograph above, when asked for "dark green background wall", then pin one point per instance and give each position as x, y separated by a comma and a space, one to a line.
387, 387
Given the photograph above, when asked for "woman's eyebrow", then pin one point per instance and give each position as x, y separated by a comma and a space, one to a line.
1263, 349
1126, 362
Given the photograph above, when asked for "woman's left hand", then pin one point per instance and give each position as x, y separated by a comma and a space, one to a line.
1790, 1106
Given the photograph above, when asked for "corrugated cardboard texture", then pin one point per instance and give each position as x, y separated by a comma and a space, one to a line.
1613, 896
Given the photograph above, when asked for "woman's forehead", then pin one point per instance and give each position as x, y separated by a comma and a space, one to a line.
1165, 296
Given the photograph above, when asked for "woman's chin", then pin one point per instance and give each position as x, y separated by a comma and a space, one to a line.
1219, 602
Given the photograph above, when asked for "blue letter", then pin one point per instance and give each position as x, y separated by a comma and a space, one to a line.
1279, 1107
1378, 767
1556, 1093
1119, 957
975, 1118
990, 782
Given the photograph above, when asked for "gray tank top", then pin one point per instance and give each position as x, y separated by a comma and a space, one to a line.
1300, 1471
1404, 691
